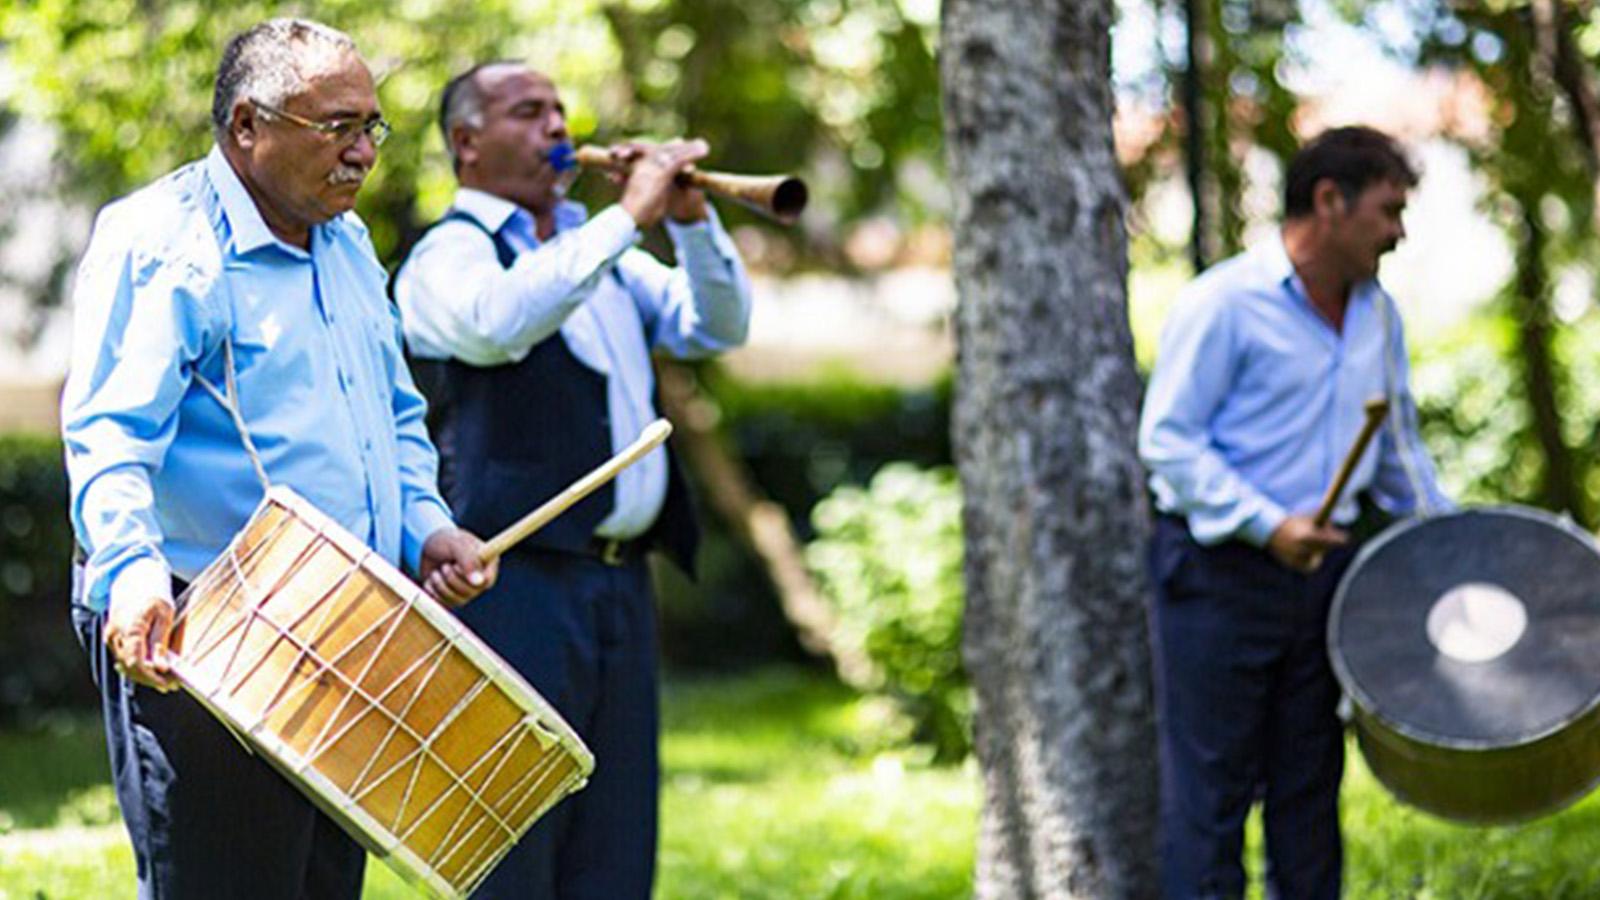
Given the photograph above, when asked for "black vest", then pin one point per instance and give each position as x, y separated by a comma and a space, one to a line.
512, 436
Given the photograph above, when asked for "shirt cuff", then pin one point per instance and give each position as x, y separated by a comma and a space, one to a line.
139, 580
423, 518
703, 234
1259, 528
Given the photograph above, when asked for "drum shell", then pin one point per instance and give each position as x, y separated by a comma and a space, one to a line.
1497, 786
371, 698
1510, 774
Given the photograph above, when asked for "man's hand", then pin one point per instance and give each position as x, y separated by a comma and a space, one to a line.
651, 191
451, 572
1300, 543
136, 631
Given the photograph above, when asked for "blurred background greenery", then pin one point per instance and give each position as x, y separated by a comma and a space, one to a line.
837, 415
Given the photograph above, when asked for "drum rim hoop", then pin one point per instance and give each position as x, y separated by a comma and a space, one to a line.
1362, 699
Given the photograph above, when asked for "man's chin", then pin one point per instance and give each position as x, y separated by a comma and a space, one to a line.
342, 198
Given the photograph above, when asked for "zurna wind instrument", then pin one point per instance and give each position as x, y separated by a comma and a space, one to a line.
778, 197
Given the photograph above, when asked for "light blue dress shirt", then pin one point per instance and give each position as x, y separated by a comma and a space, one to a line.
1255, 401
611, 303
159, 478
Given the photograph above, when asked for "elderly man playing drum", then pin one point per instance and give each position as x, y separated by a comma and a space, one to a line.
1257, 395
532, 325
246, 269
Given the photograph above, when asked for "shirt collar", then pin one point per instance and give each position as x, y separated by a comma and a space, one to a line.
1275, 261
250, 231
1276, 265
492, 212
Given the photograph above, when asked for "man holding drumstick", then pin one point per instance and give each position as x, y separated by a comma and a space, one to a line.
245, 269
1256, 396
532, 325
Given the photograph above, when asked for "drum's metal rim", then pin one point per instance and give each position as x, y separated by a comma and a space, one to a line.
1362, 698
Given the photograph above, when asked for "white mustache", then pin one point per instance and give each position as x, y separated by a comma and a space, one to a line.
347, 175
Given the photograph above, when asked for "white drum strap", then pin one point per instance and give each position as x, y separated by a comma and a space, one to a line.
230, 402
1403, 416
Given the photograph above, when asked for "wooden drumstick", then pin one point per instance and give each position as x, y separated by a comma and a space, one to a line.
1376, 409
649, 439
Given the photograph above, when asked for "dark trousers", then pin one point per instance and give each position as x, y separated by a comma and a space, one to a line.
584, 635
1246, 710
207, 819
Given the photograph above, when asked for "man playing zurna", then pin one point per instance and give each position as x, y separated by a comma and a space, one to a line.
1256, 396
536, 323
246, 268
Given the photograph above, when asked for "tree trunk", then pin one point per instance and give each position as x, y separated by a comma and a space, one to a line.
1045, 415
1560, 489
1203, 239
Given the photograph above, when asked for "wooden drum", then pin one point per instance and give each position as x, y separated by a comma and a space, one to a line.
372, 698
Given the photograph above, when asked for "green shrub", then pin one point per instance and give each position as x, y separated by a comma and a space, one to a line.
800, 441
889, 559
43, 666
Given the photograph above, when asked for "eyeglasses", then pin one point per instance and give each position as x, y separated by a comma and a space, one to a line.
344, 131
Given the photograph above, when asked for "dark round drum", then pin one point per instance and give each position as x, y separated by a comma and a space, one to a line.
1469, 644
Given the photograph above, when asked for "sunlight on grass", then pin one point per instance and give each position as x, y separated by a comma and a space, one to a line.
781, 785
775, 785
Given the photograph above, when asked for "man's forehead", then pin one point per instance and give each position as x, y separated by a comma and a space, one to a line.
1389, 189
511, 82
343, 82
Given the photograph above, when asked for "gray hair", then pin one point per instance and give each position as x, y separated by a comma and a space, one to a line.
271, 62
462, 104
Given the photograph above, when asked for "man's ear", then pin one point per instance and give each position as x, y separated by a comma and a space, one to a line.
243, 123
465, 141
1327, 199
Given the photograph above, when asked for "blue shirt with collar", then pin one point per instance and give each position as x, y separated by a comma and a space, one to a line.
159, 477
612, 304
1256, 399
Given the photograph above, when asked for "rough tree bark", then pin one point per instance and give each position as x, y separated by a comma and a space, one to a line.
1046, 409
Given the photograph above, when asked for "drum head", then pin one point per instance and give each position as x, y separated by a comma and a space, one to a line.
1474, 630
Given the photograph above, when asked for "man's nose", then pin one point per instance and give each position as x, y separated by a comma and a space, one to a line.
363, 153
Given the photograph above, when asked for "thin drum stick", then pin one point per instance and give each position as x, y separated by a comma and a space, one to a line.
1376, 409
649, 439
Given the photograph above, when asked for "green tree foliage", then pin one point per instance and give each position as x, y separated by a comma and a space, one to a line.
844, 90
128, 84
1534, 153
888, 557
1224, 84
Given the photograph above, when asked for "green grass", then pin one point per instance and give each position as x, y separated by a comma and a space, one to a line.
777, 786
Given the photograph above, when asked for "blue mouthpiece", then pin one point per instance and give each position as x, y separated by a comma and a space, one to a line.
562, 157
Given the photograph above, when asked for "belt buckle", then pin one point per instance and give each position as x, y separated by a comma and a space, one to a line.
611, 551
